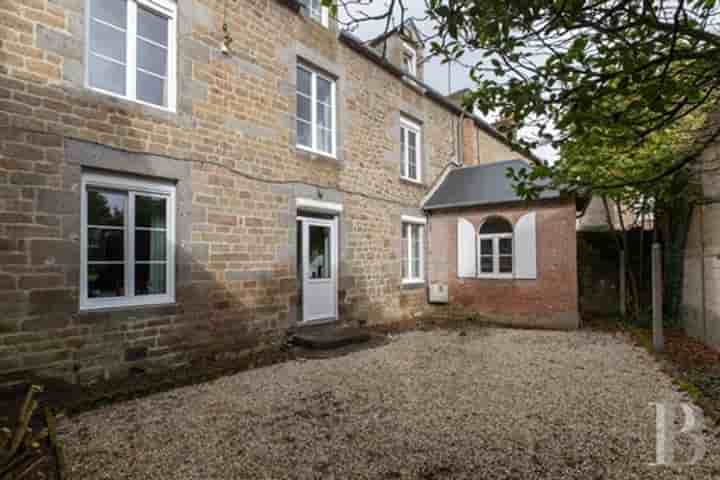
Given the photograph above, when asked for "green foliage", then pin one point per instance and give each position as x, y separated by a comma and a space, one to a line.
622, 82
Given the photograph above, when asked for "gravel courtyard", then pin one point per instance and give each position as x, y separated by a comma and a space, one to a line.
493, 403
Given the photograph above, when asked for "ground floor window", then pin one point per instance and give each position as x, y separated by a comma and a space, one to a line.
127, 241
495, 242
413, 257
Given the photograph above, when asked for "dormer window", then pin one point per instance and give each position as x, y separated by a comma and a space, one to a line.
316, 11
409, 59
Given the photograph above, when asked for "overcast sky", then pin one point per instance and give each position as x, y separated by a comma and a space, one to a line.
436, 74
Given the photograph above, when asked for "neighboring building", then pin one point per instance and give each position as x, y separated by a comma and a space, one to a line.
700, 308
167, 192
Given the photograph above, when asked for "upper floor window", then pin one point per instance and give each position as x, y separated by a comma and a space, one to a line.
316, 11
495, 242
315, 111
409, 59
127, 240
131, 50
410, 140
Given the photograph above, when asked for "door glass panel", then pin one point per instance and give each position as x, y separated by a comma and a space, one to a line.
319, 250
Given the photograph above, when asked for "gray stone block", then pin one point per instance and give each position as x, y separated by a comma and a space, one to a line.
233, 276
75, 5
195, 50
73, 71
58, 42
59, 202
54, 252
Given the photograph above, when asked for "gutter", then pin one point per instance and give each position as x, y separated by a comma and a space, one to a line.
359, 46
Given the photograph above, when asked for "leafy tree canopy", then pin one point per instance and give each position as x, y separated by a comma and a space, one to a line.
619, 86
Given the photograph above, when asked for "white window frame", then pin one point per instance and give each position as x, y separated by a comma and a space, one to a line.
407, 223
321, 16
165, 8
407, 125
132, 186
412, 53
314, 75
495, 237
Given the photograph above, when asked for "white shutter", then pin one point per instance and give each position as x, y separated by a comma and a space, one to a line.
466, 246
526, 247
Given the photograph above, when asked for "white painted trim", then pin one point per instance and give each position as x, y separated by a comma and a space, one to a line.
416, 220
413, 55
165, 8
495, 237
314, 74
421, 254
132, 186
318, 205
305, 223
408, 125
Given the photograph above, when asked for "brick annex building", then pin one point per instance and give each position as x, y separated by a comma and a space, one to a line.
164, 191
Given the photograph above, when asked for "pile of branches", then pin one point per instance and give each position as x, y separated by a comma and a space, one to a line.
24, 452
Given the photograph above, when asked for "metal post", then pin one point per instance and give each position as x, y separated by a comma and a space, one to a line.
622, 287
657, 295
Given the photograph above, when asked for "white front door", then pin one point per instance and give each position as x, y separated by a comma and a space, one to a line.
319, 267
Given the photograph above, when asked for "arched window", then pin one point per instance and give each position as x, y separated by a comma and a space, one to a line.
495, 248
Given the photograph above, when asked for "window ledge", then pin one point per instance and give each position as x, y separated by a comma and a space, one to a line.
410, 181
89, 311
117, 98
312, 153
412, 284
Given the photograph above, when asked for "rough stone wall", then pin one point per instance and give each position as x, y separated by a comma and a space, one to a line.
550, 301
231, 149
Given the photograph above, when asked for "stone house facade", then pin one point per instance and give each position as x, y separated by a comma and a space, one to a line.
178, 178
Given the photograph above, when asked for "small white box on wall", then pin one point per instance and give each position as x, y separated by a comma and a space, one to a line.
438, 293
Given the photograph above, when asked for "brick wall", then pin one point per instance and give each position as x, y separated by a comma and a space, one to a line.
550, 301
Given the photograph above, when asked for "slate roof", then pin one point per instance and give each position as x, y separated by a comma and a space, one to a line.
479, 185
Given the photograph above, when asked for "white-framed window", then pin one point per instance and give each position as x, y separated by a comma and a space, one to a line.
413, 249
315, 118
131, 47
495, 248
316, 11
127, 242
409, 59
410, 150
